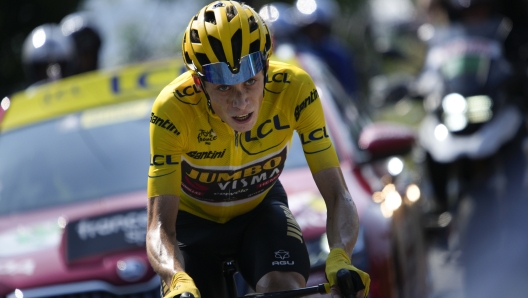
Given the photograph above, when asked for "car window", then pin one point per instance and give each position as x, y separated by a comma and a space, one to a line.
79, 157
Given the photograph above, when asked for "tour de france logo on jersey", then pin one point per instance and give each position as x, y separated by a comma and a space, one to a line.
228, 184
206, 136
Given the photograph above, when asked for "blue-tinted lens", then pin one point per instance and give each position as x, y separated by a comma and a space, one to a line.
219, 73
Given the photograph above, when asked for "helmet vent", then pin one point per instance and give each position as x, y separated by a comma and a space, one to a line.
216, 45
202, 59
267, 46
195, 38
188, 59
253, 25
254, 46
236, 43
210, 17
219, 4
231, 13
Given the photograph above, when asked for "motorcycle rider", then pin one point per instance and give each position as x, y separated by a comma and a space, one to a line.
479, 176
79, 26
47, 55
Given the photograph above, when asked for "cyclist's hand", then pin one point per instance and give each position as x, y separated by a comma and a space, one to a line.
339, 259
182, 283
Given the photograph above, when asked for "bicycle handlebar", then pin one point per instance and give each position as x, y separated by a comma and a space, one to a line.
344, 282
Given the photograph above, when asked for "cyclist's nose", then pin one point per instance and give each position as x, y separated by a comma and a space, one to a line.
241, 100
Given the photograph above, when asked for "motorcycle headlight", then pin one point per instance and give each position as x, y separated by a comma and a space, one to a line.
318, 251
460, 111
479, 108
455, 108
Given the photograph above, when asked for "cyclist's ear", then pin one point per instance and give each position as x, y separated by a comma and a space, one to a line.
198, 82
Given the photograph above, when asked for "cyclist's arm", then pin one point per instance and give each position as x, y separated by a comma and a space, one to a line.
162, 247
342, 224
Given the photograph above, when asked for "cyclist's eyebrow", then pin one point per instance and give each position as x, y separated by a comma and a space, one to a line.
252, 78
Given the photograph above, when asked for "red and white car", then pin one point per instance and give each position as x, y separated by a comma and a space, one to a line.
73, 188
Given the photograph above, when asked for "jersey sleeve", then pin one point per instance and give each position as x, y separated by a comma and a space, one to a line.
311, 127
167, 142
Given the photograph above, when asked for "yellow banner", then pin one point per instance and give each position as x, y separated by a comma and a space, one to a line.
74, 94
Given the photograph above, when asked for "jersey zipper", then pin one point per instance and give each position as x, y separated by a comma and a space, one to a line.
234, 156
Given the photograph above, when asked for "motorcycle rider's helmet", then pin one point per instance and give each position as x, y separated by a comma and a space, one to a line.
279, 18
47, 54
227, 42
320, 12
79, 26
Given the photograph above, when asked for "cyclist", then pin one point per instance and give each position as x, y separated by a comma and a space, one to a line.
220, 134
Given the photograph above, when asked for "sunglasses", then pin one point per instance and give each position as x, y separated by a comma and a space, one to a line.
220, 73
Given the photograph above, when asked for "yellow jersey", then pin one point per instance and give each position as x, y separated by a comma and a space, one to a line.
219, 173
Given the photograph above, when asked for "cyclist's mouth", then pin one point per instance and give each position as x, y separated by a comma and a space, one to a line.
243, 118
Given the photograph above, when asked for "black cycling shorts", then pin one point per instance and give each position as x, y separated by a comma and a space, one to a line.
263, 240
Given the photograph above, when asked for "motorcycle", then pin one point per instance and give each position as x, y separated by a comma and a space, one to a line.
473, 138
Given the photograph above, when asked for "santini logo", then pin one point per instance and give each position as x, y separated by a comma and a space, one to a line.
282, 255
306, 102
164, 123
206, 154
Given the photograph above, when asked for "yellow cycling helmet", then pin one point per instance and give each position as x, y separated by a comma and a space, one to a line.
226, 43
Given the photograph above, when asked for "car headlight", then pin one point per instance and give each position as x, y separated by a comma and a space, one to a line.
318, 251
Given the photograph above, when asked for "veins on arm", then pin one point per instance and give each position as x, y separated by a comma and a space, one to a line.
162, 248
342, 223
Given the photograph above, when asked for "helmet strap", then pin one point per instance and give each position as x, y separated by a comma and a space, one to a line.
265, 73
199, 82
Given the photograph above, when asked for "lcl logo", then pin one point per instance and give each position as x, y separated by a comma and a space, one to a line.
281, 77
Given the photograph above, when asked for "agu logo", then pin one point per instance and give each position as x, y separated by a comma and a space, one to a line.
282, 255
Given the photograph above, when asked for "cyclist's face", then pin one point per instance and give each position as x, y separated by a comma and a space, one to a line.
238, 105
